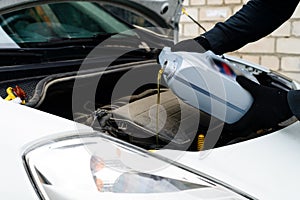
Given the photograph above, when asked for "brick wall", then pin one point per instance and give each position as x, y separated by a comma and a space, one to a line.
279, 51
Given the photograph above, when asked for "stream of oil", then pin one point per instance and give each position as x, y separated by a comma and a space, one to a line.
159, 75
201, 137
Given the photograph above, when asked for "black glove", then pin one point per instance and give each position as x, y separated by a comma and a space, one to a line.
269, 108
199, 44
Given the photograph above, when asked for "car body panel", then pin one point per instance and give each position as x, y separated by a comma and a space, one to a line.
24, 125
256, 166
266, 167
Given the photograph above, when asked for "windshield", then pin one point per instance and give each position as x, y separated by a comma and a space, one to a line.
55, 21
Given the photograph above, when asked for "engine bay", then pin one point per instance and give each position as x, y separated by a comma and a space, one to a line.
131, 114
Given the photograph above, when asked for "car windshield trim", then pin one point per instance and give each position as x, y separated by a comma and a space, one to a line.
6, 41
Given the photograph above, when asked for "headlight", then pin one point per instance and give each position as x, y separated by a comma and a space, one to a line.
96, 166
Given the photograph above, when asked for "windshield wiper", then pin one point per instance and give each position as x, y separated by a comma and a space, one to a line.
66, 41
75, 41
97, 36
100, 35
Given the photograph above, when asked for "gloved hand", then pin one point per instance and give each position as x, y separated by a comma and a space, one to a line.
269, 108
199, 44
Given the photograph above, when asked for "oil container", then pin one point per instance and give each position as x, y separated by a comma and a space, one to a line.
207, 82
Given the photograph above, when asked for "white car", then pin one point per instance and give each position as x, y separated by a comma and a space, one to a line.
82, 121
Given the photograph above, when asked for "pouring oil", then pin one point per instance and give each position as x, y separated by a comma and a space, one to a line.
159, 75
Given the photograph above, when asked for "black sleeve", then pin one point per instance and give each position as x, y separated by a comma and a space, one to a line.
294, 102
255, 20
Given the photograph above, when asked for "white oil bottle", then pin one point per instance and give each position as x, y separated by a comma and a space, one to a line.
207, 82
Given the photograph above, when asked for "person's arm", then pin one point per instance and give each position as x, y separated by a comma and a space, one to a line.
255, 20
294, 102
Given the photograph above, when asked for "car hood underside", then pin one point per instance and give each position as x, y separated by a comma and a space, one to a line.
167, 10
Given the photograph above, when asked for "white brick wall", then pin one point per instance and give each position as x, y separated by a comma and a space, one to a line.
288, 45
271, 62
291, 64
283, 31
279, 51
251, 58
232, 1
197, 2
214, 13
190, 29
296, 28
264, 45
214, 2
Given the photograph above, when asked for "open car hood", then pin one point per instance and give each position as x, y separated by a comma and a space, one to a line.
164, 13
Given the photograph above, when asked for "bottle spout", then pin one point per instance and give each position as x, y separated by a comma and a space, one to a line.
168, 62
